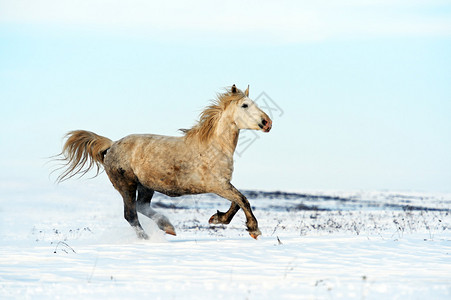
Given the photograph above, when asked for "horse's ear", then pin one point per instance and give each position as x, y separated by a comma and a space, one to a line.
246, 92
233, 88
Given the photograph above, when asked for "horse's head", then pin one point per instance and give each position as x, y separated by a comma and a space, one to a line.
247, 115
231, 108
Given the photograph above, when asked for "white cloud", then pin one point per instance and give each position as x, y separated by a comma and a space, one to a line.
282, 21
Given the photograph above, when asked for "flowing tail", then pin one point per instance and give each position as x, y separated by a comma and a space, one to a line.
82, 151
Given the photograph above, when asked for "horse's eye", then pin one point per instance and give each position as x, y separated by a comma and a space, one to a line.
244, 105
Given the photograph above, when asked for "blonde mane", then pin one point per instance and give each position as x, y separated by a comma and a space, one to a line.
208, 120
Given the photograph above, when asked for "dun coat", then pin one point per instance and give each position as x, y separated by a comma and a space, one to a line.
200, 161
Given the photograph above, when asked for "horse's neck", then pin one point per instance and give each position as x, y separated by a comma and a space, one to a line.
218, 151
226, 136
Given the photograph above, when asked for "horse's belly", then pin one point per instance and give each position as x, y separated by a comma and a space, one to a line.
172, 181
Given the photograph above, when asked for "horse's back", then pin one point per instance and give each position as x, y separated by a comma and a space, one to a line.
135, 148
157, 161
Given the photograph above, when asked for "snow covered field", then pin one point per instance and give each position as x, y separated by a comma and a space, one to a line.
71, 241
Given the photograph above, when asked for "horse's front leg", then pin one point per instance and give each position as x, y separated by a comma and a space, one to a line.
232, 194
143, 206
224, 218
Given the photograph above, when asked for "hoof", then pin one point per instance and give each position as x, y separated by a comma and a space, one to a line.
169, 230
216, 218
164, 224
142, 235
255, 234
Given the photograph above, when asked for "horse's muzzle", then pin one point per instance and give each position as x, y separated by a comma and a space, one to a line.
266, 125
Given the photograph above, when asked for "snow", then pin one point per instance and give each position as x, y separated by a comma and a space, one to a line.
71, 241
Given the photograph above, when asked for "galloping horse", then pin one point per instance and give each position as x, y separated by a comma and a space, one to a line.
200, 161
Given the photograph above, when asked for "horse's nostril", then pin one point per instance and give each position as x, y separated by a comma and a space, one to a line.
264, 122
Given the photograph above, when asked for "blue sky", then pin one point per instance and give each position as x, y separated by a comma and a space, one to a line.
365, 86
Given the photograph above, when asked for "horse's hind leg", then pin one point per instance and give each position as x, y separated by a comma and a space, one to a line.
127, 189
143, 206
224, 218
130, 213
